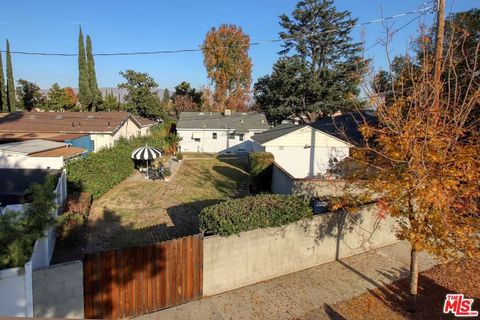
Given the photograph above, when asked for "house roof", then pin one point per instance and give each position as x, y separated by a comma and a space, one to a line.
63, 122
67, 152
52, 136
345, 126
276, 132
31, 146
238, 121
144, 122
17, 181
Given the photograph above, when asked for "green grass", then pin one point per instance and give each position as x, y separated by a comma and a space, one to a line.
117, 218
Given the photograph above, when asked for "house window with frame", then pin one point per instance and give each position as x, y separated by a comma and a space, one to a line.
93, 144
241, 136
196, 139
231, 135
214, 135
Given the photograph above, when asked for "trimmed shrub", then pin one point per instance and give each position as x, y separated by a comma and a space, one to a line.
179, 156
167, 172
261, 164
99, 172
253, 212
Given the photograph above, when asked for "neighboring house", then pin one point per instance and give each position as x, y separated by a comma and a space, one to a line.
38, 154
219, 132
302, 150
103, 128
80, 140
312, 160
145, 125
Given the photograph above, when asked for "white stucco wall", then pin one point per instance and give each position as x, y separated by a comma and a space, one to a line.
220, 145
13, 296
128, 130
306, 152
25, 162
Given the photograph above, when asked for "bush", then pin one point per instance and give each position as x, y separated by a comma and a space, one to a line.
99, 172
78, 202
261, 164
69, 225
167, 172
179, 156
20, 230
253, 212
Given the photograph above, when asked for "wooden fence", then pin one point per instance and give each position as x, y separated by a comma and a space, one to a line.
134, 281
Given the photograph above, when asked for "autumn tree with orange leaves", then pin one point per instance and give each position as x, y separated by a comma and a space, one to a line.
225, 56
428, 157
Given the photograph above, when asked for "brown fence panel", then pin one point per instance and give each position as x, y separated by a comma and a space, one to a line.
134, 281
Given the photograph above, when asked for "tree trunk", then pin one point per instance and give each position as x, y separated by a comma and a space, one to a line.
412, 307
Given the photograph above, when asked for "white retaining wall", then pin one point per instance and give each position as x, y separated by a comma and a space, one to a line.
262, 254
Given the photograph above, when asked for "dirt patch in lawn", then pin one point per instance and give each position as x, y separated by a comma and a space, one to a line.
140, 211
390, 302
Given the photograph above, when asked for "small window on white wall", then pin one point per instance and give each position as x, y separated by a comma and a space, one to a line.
214, 135
241, 136
280, 148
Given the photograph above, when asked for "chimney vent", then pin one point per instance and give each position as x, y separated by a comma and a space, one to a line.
228, 112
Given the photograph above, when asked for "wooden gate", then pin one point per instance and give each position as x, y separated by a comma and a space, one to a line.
134, 281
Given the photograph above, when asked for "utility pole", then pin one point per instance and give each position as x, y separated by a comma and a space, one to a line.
440, 32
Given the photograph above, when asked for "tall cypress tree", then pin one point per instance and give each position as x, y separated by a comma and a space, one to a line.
92, 78
3, 92
84, 92
10, 82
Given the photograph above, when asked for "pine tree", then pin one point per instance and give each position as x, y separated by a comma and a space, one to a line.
3, 92
166, 96
92, 78
84, 92
10, 82
320, 51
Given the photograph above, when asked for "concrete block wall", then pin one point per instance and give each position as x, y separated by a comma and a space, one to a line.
262, 254
58, 291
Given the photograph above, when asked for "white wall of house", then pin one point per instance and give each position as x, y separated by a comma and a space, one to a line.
102, 140
215, 140
13, 293
26, 162
305, 152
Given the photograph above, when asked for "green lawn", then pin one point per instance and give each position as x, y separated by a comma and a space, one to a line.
137, 211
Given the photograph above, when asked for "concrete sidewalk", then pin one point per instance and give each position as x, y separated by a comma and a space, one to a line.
304, 294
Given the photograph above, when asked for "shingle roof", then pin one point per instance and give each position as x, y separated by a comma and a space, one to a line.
276, 132
31, 146
52, 136
144, 122
63, 122
345, 126
238, 121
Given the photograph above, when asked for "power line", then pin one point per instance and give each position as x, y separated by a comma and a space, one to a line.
424, 9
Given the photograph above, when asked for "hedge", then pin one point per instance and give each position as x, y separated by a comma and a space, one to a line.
253, 212
99, 172
260, 171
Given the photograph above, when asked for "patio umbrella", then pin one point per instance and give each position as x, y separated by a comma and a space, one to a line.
146, 153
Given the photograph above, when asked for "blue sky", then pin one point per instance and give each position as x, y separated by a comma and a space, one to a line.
143, 25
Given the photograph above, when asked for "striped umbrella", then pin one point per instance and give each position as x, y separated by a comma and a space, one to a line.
146, 153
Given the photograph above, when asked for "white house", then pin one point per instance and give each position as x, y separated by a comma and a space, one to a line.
217, 132
38, 154
307, 151
104, 128
302, 150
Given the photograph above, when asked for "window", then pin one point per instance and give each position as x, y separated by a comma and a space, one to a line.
240, 136
93, 145
231, 135
196, 139
280, 148
214, 136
